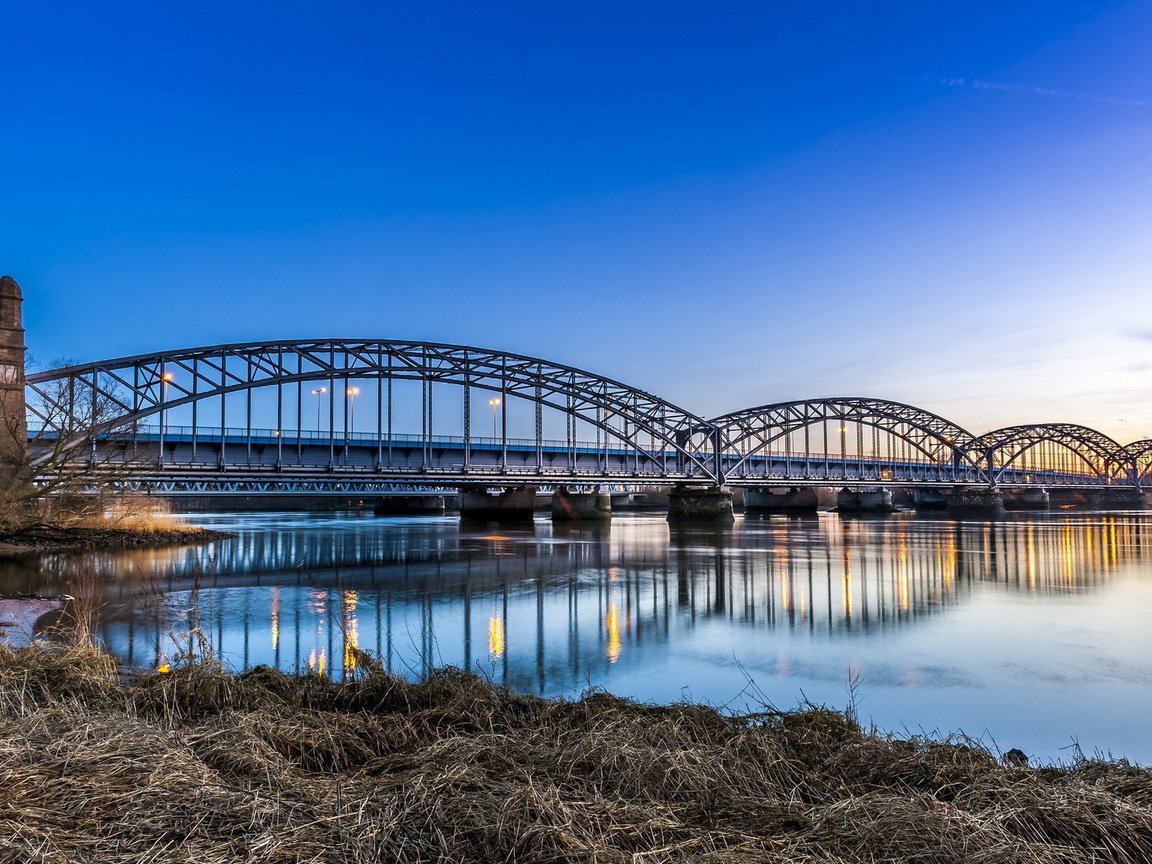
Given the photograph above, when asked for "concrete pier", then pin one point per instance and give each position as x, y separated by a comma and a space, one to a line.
1033, 498
580, 506
513, 504
971, 502
864, 501
793, 500
703, 504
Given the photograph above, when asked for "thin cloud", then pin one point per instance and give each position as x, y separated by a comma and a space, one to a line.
981, 84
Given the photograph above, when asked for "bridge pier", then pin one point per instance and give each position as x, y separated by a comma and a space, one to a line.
864, 501
976, 502
793, 500
580, 506
1033, 498
512, 504
705, 504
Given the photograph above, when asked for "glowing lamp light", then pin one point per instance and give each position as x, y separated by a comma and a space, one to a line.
494, 403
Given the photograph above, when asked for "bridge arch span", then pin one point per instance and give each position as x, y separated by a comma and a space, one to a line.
1140, 460
95, 398
1049, 450
899, 435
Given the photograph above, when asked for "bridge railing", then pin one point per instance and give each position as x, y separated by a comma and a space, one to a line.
612, 461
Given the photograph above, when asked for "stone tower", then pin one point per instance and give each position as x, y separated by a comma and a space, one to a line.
14, 428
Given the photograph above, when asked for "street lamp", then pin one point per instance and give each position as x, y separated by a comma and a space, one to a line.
165, 382
495, 403
318, 393
351, 393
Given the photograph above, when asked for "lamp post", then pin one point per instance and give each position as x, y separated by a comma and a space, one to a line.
318, 393
165, 382
494, 403
351, 393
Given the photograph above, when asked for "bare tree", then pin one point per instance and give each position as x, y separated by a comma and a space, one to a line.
75, 464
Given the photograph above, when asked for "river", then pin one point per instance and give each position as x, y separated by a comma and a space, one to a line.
1030, 632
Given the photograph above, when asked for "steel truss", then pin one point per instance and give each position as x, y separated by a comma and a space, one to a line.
1052, 449
86, 400
77, 409
753, 431
1140, 460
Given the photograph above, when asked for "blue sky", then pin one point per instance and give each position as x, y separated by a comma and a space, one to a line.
726, 205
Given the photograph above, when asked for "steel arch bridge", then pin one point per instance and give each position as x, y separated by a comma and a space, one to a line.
284, 416
631, 431
844, 439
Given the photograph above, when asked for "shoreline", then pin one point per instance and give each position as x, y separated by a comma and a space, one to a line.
86, 539
267, 766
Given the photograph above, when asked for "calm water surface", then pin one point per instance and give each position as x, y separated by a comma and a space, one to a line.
1031, 633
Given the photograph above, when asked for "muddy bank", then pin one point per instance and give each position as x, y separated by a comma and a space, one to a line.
201, 765
84, 539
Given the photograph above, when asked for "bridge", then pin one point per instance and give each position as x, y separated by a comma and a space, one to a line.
369, 416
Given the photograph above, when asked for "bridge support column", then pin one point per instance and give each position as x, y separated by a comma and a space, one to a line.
1033, 498
976, 503
14, 431
514, 504
580, 506
705, 504
794, 500
864, 501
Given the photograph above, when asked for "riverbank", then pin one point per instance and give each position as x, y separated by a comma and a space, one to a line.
198, 764
88, 538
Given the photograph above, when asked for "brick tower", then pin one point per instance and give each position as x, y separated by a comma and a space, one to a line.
14, 428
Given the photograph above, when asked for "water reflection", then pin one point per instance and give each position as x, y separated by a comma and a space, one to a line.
559, 601
635, 606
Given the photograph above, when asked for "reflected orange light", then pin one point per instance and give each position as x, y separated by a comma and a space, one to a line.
1030, 556
902, 586
317, 663
495, 635
612, 622
351, 631
1068, 555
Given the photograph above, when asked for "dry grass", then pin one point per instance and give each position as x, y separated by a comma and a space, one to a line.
97, 522
202, 765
